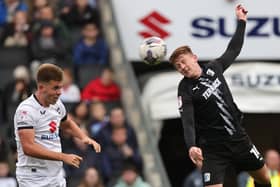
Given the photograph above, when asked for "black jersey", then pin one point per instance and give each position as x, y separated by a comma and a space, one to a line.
207, 109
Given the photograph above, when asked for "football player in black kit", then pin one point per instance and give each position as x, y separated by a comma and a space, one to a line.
211, 121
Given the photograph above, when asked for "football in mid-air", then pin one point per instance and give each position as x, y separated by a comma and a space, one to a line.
152, 50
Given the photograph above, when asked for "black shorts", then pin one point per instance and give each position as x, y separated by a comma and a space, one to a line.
242, 155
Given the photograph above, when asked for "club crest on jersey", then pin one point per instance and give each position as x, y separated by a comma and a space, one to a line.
52, 126
23, 114
210, 72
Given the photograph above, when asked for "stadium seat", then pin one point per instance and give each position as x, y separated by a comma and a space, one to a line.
12, 57
1, 108
86, 72
69, 106
75, 35
6, 76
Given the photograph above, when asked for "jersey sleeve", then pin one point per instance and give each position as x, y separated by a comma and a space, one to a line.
23, 119
233, 48
187, 115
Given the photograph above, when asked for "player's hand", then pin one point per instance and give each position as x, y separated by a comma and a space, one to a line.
241, 12
73, 160
90, 141
195, 154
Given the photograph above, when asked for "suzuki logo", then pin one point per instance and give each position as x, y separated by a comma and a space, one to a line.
153, 21
52, 126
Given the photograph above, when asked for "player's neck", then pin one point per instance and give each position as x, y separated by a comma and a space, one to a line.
40, 100
198, 74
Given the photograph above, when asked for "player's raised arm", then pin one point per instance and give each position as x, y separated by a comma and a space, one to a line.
235, 45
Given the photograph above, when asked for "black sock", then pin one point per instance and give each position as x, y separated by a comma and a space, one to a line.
261, 185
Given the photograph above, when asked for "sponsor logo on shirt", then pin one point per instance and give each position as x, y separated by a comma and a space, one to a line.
53, 136
53, 126
212, 88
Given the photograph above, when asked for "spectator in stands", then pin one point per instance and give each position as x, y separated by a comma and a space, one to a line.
98, 118
6, 178
47, 13
70, 92
80, 113
34, 8
272, 160
91, 178
47, 44
8, 8
68, 3
90, 159
36, 5
102, 89
17, 33
130, 178
91, 49
117, 120
79, 14
17, 90
116, 153
93, 3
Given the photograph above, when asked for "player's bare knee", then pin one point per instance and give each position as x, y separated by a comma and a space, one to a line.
265, 179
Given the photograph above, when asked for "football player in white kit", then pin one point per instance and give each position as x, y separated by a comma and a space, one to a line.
37, 122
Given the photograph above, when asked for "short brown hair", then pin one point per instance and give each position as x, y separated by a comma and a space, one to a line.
49, 72
180, 50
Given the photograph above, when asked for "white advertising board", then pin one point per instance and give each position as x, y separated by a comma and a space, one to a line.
206, 26
255, 88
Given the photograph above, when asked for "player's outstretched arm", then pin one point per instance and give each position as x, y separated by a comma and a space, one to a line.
31, 148
70, 125
235, 44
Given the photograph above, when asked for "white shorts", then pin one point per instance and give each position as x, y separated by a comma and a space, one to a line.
39, 181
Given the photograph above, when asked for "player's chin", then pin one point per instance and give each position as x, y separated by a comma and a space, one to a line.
188, 75
54, 100
185, 74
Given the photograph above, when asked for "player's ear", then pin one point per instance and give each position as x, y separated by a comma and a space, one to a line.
195, 57
40, 86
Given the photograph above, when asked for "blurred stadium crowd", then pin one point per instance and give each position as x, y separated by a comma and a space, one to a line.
67, 33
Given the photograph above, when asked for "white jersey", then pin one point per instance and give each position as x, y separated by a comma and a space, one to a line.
45, 121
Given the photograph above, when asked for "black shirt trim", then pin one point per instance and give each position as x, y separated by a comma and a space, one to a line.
64, 118
37, 100
26, 127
